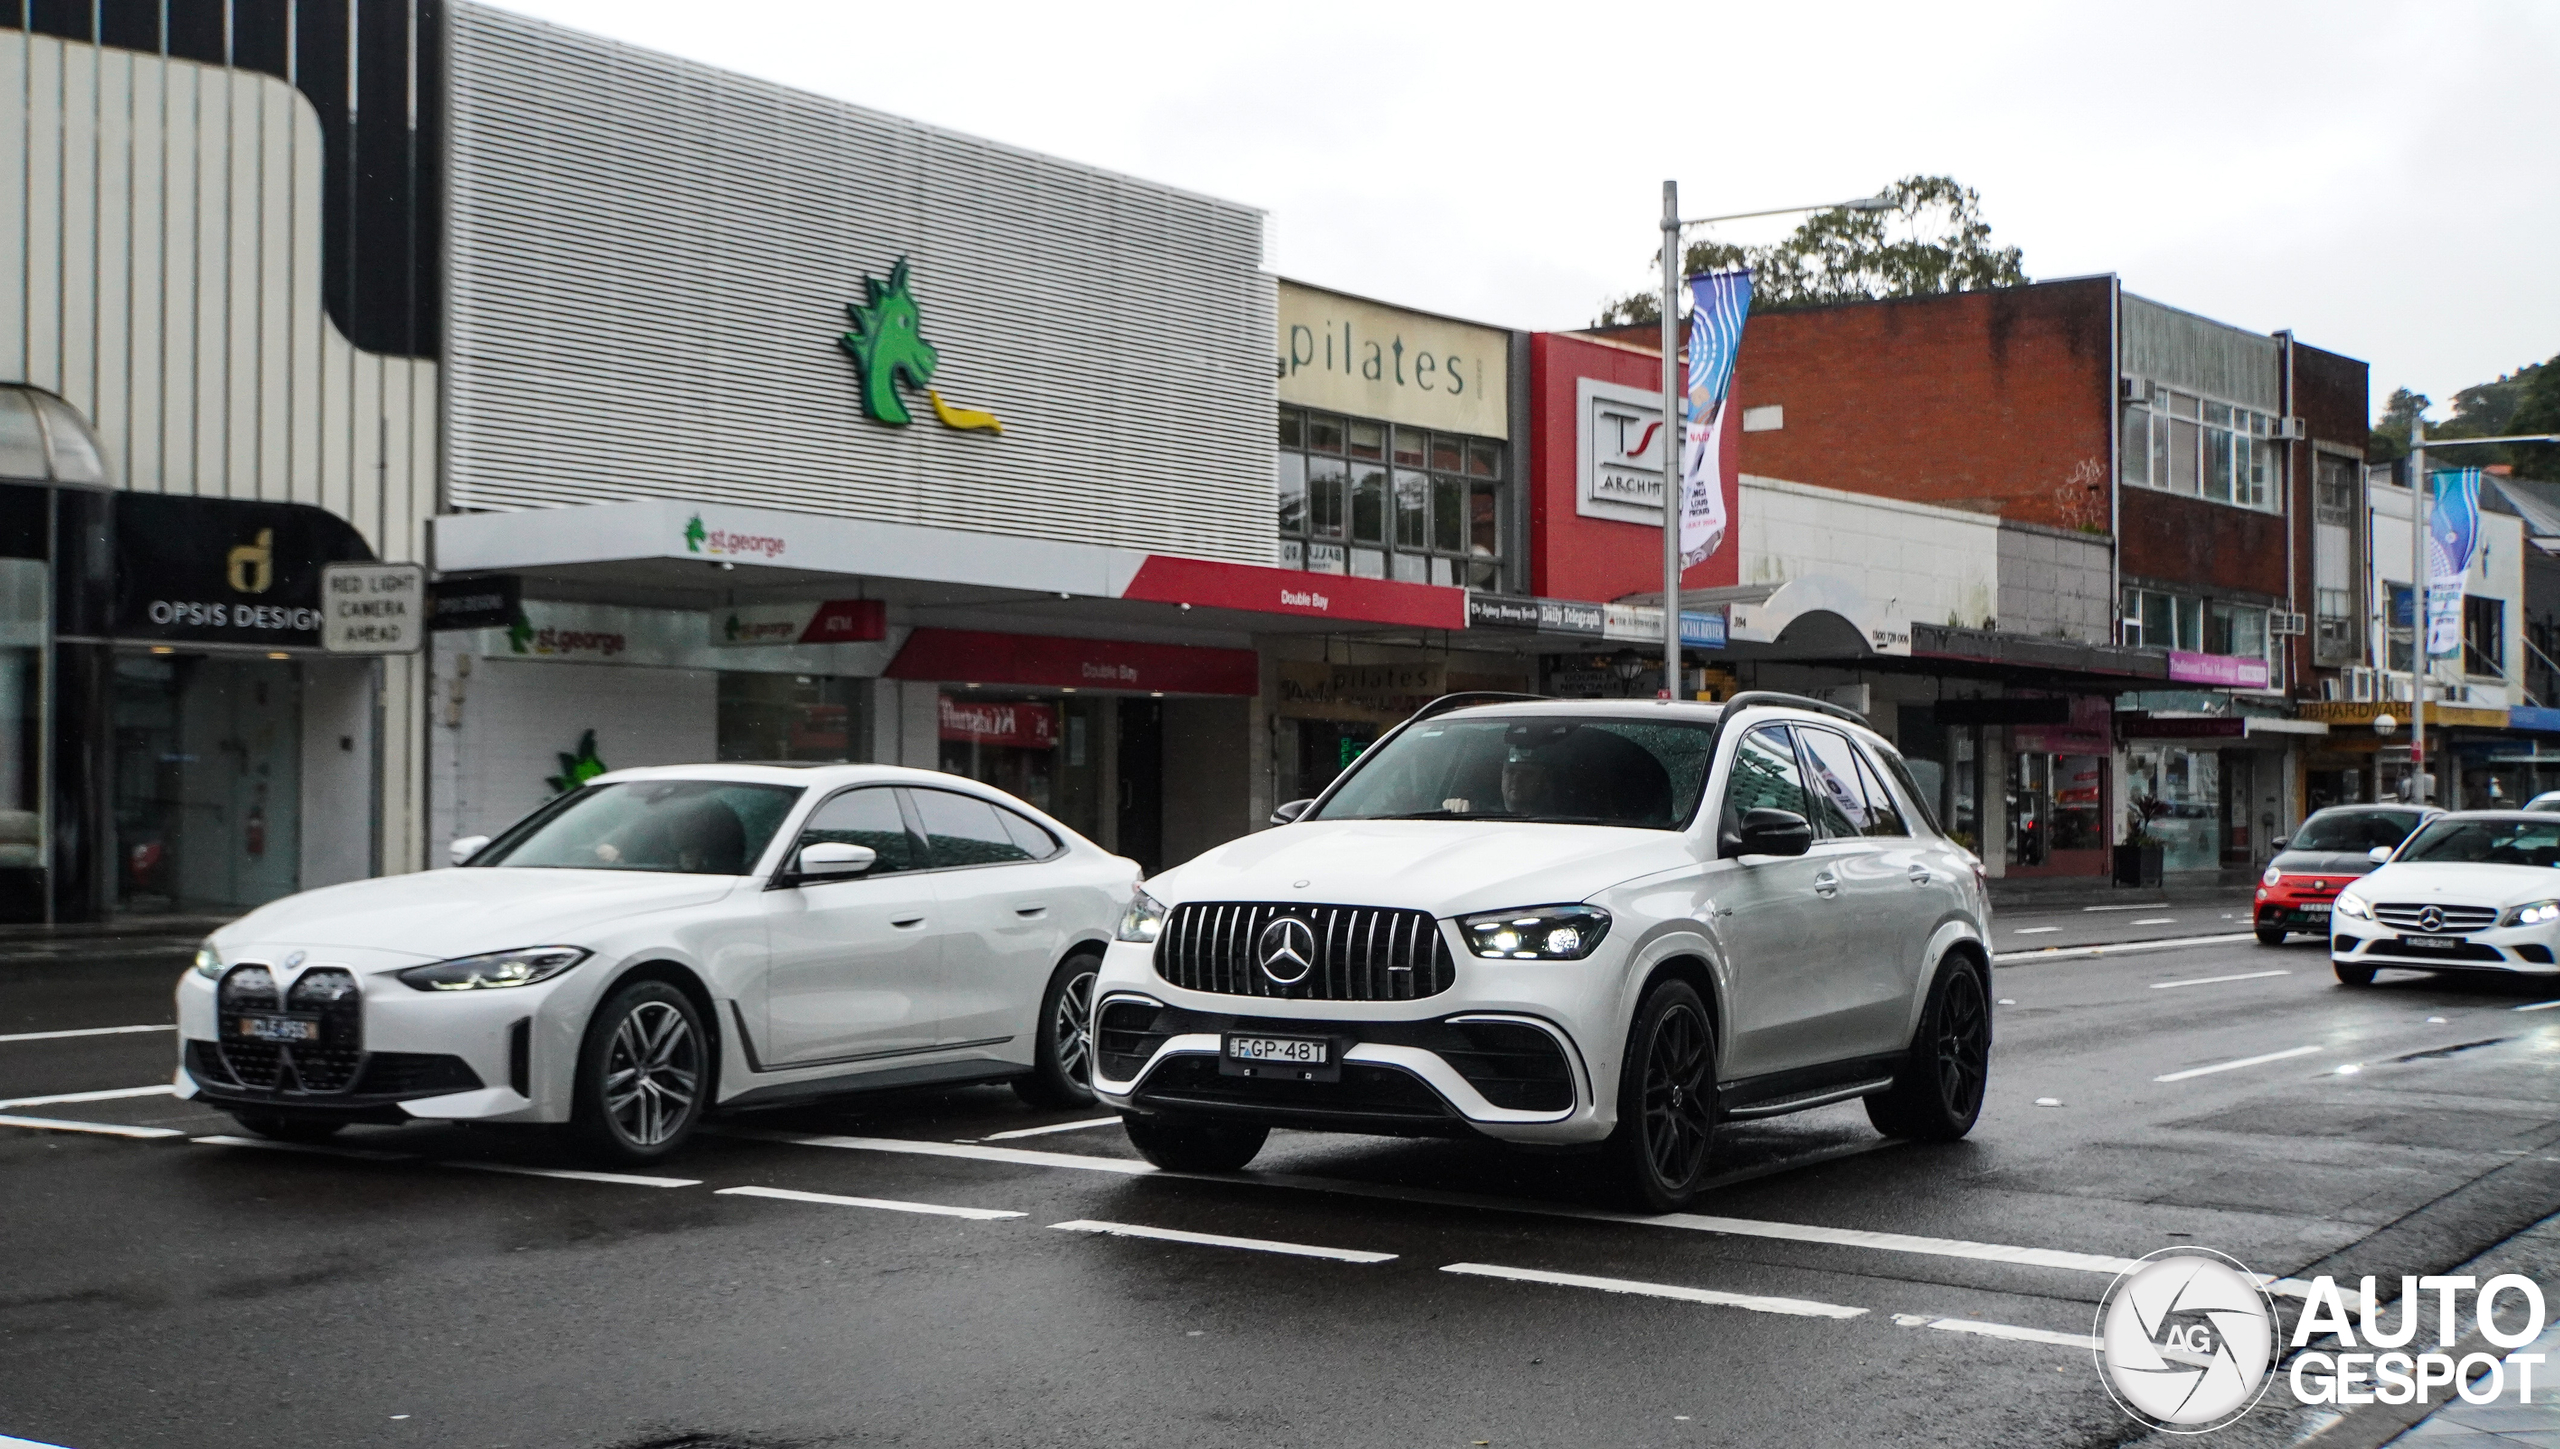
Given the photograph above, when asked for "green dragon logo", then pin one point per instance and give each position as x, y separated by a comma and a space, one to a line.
520, 634
694, 534
887, 344
577, 769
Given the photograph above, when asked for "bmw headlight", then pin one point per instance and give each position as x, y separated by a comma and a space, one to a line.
2272, 876
1144, 920
208, 961
2351, 904
1539, 933
2537, 914
498, 968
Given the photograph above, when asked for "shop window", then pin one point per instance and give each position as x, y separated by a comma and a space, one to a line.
2237, 629
1292, 490
1413, 505
207, 781
793, 717
2154, 620
2181, 443
2484, 636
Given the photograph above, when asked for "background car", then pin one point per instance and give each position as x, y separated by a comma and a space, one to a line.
2333, 847
1562, 922
663, 942
2477, 890
2548, 800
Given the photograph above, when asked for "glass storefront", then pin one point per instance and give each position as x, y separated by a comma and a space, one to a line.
2181, 789
809, 717
1048, 751
207, 781
23, 585
2056, 812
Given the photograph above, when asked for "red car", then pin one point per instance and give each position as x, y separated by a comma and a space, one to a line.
2333, 847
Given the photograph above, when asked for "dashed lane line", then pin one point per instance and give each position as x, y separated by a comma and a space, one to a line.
80, 1031
111, 1094
1085, 1126
2035, 930
2157, 921
103, 1129
2256, 1061
574, 1174
2535, 1006
2067, 953
1757, 1303
1996, 1330
2217, 980
883, 1204
1221, 1240
308, 1149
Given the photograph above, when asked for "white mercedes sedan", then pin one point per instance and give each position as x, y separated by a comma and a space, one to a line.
662, 943
2474, 891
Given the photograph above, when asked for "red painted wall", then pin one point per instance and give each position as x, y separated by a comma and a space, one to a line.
1600, 559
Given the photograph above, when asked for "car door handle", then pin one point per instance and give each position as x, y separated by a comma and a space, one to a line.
1826, 885
907, 923
1921, 875
1031, 912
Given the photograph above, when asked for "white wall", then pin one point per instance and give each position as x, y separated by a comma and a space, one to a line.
2497, 572
498, 738
160, 269
1914, 561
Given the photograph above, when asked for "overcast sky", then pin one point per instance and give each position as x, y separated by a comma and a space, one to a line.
2381, 178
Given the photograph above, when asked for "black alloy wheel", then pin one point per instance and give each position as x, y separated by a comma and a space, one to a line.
2351, 973
1062, 1059
643, 1074
1937, 1095
1667, 1100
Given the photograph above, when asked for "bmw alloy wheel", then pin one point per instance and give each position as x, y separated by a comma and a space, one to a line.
652, 1073
1071, 1027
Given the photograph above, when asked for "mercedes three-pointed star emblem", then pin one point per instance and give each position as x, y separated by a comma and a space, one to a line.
2431, 919
1286, 950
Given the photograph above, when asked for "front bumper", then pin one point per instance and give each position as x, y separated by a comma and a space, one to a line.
2517, 950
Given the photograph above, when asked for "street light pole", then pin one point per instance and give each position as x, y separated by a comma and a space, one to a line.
2419, 663
1674, 440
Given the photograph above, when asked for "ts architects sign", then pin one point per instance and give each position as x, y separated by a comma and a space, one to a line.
222, 571
1622, 446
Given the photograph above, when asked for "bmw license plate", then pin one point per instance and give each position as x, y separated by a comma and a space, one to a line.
1286, 1058
2435, 943
276, 1028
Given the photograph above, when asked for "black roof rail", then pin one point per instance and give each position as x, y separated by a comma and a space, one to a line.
1751, 698
1469, 699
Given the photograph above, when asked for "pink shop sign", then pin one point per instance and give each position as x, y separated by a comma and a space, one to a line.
2226, 671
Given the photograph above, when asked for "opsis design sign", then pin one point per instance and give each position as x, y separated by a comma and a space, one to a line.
223, 571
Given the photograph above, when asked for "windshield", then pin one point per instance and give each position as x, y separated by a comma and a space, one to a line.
1572, 771
2488, 842
2356, 830
696, 827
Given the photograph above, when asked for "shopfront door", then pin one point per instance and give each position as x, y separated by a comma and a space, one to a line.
208, 781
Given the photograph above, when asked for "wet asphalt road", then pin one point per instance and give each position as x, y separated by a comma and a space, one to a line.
165, 1291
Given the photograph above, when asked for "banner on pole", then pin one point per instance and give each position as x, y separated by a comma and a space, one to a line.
2453, 536
1718, 302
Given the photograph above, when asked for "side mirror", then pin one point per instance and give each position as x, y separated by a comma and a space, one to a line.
1288, 814
2378, 854
2282, 841
1775, 832
829, 860
465, 848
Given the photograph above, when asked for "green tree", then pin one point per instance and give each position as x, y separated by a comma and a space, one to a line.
2389, 441
1934, 240
2537, 411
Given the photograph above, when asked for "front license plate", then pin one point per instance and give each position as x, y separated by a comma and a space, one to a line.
276, 1028
1286, 1058
2434, 943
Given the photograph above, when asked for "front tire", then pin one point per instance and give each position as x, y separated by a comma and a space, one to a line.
1666, 1101
1937, 1096
1062, 1061
643, 1075
2351, 973
277, 1128
1195, 1147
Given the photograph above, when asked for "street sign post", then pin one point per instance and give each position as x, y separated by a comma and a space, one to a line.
373, 608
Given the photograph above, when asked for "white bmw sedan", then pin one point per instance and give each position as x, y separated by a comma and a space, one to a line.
2475, 891
664, 942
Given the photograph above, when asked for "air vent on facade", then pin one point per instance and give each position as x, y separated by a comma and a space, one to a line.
2291, 429
2137, 389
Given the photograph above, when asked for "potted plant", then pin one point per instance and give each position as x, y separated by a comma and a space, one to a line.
2139, 858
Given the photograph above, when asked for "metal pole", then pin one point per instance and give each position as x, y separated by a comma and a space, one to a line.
1674, 439
2419, 664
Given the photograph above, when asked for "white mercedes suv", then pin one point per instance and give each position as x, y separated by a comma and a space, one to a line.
1562, 922
663, 942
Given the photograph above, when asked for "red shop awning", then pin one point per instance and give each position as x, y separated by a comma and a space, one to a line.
972, 657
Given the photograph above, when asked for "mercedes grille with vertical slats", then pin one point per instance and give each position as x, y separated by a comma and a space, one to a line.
1360, 953
2414, 916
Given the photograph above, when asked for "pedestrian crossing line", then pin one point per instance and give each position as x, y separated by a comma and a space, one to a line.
1221, 1240
1756, 1303
111, 1094
934, 1209
102, 1129
1996, 1330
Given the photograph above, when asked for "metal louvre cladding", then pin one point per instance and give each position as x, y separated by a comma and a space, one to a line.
650, 263
1362, 953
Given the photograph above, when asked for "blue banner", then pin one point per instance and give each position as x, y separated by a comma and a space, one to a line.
1718, 303
2453, 537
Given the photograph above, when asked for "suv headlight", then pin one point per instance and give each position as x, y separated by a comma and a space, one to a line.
2351, 904
1538, 933
2535, 914
498, 968
1143, 921
208, 961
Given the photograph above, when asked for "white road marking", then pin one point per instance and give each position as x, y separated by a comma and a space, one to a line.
103, 1129
2536, 1006
626, 1179
2065, 953
1219, 1240
2235, 1066
2035, 930
1799, 1307
884, 1204
2092, 910
1996, 1330
2158, 921
361, 1154
1084, 1126
83, 1031
1019, 1156
1809, 1159
162, 1089
2217, 980
8, 1443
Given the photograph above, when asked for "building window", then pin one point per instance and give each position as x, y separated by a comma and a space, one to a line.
2397, 648
2484, 636
2333, 561
1380, 501
2154, 620
2181, 443
2238, 629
